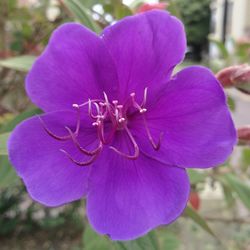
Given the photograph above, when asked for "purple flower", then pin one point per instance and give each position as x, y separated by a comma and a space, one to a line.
118, 128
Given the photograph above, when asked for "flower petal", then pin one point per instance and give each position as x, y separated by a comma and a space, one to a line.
127, 198
50, 177
193, 115
145, 49
74, 67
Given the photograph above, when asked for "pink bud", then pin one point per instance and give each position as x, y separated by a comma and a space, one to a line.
244, 134
146, 7
234, 76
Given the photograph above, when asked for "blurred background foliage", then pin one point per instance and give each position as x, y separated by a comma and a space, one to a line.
208, 222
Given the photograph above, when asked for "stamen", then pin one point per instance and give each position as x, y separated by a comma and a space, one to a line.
115, 102
109, 111
100, 132
136, 148
77, 144
57, 137
136, 105
121, 120
144, 97
95, 124
90, 109
143, 110
87, 102
79, 163
154, 145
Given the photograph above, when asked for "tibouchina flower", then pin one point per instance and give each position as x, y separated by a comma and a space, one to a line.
118, 127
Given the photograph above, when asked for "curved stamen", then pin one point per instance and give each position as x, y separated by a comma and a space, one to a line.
57, 137
108, 108
78, 123
100, 132
87, 102
79, 163
144, 97
136, 105
136, 148
65, 137
77, 144
157, 145
90, 109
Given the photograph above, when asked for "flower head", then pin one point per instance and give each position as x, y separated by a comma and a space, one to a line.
118, 128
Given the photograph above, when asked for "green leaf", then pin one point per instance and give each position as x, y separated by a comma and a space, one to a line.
231, 103
240, 188
93, 241
121, 11
10, 125
82, 14
167, 239
220, 46
228, 195
195, 176
8, 176
20, 63
148, 242
3, 143
192, 214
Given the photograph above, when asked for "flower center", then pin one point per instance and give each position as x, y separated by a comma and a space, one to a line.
102, 112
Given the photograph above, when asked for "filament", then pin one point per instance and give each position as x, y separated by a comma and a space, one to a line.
80, 163
65, 137
157, 145
77, 144
136, 148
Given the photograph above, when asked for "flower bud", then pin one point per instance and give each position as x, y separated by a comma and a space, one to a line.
234, 76
154, 6
244, 134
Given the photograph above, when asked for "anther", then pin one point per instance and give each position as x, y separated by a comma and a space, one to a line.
143, 110
75, 106
96, 124
121, 120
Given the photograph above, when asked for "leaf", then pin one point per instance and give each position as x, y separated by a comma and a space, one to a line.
228, 194
10, 125
8, 176
93, 241
20, 63
168, 240
231, 103
220, 46
148, 242
195, 176
122, 10
82, 14
192, 214
240, 188
3, 143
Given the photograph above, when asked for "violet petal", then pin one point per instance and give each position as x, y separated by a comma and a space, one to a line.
194, 117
